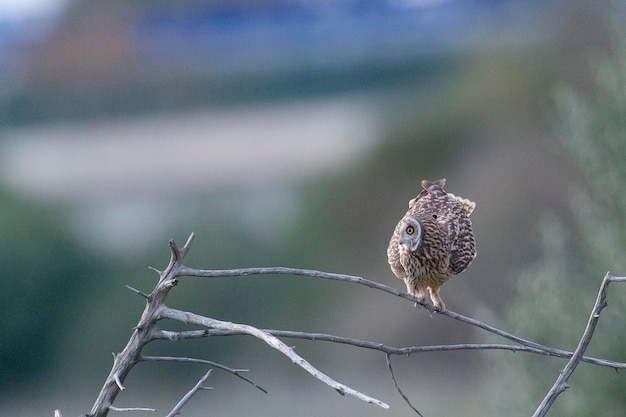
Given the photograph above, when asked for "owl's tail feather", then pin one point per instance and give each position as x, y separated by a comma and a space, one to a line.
467, 205
433, 185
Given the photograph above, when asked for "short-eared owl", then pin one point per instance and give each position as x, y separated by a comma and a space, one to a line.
433, 241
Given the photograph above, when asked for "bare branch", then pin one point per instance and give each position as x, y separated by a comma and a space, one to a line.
279, 270
136, 291
404, 397
187, 397
185, 271
155, 270
274, 342
561, 383
236, 372
146, 330
143, 333
126, 409
408, 350
187, 245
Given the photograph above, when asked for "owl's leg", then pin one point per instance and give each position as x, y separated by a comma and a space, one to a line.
436, 298
420, 294
416, 291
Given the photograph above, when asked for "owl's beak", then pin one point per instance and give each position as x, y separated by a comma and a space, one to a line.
409, 244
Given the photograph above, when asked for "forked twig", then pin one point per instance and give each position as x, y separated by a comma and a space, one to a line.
274, 342
395, 382
561, 383
176, 410
236, 372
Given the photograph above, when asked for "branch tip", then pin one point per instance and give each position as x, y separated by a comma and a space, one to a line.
176, 410
118, 382
395, 382
187, 244
136, 291
273, 342
236, 372
155, 270
561, 384
113, 408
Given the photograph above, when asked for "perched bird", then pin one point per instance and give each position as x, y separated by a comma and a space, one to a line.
433, 241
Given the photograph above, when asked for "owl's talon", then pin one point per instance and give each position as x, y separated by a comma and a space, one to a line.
420, 301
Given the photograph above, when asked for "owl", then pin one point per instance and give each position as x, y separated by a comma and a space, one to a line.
433, 241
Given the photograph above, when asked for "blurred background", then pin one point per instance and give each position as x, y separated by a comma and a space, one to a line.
293, 133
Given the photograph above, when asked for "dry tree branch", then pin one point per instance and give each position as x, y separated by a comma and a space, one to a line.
391, 350
533, 347
128, 409
176, 410
155, 310
185, 271
147, 330
561, 383
236, 372
143, 333
274, 342
395, 383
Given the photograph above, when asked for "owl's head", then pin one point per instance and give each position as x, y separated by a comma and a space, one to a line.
410, 234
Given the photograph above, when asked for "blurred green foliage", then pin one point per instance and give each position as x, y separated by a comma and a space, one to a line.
46, 274
555, 295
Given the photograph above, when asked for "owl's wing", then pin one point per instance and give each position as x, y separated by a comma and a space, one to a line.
463, 248
460, 233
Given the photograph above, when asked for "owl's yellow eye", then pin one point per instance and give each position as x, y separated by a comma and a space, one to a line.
410, 230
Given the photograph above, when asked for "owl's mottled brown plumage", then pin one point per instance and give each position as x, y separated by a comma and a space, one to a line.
433, 241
